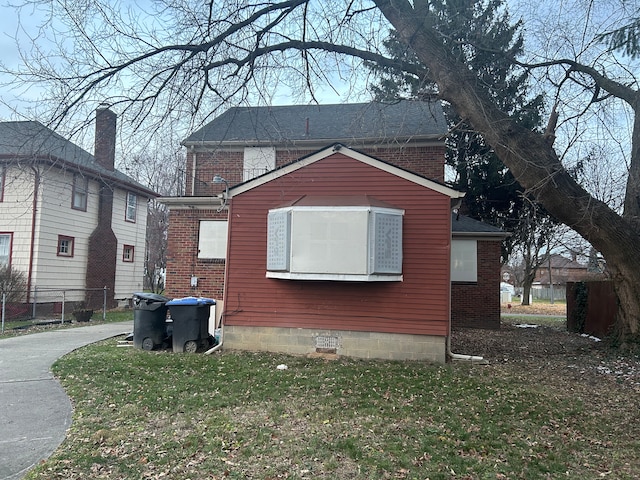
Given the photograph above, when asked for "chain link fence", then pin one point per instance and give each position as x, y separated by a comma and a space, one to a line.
50, 304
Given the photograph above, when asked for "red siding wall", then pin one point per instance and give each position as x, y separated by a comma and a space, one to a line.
478, 304
418, 305
182, 258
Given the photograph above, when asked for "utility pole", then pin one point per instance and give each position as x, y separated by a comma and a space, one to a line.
550, 281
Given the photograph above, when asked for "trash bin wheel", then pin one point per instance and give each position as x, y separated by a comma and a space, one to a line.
190, 346
147, 344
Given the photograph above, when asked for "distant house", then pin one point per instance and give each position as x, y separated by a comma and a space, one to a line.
376, 265
559, 270
68, 219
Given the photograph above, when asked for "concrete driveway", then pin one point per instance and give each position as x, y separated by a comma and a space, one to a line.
35, 412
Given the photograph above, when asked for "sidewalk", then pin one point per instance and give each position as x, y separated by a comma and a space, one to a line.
35, 412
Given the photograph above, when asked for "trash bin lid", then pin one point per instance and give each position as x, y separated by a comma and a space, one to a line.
194, 301
150, 297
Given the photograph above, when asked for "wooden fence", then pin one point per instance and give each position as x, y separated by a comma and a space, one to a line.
591, 308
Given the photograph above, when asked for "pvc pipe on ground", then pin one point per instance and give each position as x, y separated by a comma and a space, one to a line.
456, 357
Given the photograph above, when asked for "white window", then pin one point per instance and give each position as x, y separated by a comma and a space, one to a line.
464, 260
127, 253
258, 160
132, 206
65, 246
79, 195
212, 240
5, 249
353, 243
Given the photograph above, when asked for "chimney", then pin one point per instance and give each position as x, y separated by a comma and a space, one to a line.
105, 142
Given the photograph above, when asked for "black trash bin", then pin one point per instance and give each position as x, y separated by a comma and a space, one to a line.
149, 320
190, 316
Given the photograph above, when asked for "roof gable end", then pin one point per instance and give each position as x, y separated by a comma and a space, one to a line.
361, 157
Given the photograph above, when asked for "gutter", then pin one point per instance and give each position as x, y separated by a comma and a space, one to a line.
318, 143
224, 294
193, 172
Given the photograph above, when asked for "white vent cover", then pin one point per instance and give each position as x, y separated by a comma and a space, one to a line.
327, 342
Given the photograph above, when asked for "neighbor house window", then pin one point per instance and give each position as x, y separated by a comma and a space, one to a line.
464, 260
353, 243
212, 239
257, 161
65, 246
127, 253
132, 206
80, 193
5, 249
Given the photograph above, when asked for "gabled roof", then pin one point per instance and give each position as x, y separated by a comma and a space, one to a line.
32, 141
328, 151
559, 261
377, 122
462, 226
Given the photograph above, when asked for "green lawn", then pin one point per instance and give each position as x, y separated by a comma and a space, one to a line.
159, 415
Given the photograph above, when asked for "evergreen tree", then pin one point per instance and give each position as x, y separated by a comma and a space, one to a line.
493, 194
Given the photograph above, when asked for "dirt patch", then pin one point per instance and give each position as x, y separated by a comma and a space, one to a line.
552, 353
559, 309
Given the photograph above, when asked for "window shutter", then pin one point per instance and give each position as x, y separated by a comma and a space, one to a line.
386, 248
278, 240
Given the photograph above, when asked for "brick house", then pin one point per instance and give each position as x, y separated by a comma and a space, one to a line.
269, 144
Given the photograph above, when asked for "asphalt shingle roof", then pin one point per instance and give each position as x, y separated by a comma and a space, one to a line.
31, 140
377, 121
466, 225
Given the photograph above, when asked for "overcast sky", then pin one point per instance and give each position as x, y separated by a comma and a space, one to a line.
10, 58
16, 102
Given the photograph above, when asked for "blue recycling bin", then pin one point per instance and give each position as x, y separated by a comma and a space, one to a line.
149, 320
190, 316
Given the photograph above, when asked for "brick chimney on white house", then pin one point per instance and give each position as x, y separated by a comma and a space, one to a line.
105, 142
103, 244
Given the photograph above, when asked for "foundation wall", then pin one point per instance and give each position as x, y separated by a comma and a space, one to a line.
370, 345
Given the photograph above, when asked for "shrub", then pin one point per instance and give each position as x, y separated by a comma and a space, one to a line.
12, 283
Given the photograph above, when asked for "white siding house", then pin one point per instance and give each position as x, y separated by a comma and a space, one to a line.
64, 218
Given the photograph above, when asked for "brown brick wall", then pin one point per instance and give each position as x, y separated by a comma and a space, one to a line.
427, 161
477, 305
182, 259
102, 252
226, 164
105, 138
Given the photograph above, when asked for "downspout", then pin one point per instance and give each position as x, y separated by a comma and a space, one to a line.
456, 357
193, 172
217, 347
224, 290
36, 188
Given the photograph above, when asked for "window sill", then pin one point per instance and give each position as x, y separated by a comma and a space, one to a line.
335, 277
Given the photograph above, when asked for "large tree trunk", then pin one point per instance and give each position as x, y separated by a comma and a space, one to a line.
532, 160
526, 288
